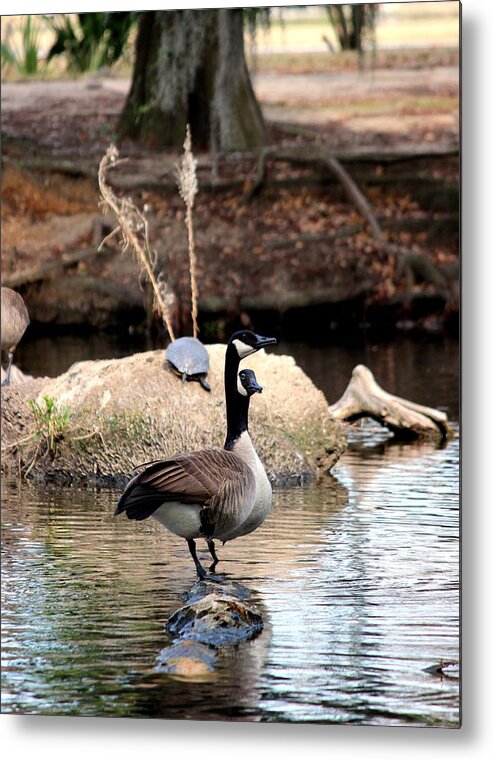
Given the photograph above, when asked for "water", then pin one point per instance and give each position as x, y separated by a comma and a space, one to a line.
357, 580
424, 370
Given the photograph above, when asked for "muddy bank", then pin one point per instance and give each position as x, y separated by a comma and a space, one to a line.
291, 259
100, 419
278, 241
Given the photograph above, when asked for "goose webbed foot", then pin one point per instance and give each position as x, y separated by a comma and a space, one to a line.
212, 578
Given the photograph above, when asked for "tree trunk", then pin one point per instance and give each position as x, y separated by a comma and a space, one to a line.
190, 68
350, 22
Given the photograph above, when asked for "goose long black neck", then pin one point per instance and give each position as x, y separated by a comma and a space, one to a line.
236, 405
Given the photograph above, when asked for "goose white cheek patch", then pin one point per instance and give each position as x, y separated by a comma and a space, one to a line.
243, 348
240, 387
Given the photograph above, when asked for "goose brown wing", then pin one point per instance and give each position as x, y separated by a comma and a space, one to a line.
207, 477
233, 502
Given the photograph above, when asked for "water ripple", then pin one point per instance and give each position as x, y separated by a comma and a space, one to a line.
357, 579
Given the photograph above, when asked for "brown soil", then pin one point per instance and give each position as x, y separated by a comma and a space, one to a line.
290, 238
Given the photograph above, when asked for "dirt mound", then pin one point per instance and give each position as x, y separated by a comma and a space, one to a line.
120, 413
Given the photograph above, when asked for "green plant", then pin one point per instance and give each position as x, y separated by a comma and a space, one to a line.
50, 421
92, 40
25, 57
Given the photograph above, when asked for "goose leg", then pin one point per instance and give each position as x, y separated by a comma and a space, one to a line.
212, 550
193, 551
7, 375
203, 576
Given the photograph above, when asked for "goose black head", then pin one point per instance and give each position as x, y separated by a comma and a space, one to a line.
247, 383
247, 342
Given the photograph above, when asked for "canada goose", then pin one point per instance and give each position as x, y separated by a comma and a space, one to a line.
243, 447
15, 320
211, 492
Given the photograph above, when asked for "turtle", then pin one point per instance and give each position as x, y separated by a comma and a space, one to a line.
188, 357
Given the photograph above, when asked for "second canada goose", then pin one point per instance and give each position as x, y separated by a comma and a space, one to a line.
208, 493
15, 320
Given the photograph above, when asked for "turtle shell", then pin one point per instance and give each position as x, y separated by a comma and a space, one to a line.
189, 357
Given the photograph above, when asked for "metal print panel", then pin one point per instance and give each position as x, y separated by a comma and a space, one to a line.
230, 364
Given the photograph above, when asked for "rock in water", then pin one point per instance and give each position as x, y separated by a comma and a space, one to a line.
216, 620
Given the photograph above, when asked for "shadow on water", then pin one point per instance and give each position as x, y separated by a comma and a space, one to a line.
357, 580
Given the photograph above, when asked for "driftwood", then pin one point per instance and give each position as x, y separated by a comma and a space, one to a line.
364, 398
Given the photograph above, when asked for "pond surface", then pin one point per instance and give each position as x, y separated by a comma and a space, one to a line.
357, 580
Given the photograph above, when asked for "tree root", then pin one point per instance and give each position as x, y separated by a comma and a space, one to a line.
363, 397
409, 264
396, 154
357, 197
253, 188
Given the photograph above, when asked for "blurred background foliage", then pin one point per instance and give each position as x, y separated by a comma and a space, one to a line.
70, 44
90, 41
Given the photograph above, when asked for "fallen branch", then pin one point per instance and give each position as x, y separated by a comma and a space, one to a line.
408, 261
133, 183
52, 165
45, 271
364, 398
127, 296
420, 267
